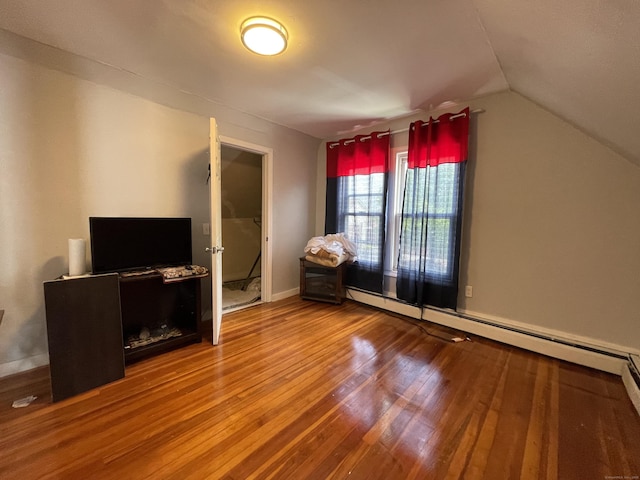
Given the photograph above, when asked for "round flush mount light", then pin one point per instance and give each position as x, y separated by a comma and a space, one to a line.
263, 36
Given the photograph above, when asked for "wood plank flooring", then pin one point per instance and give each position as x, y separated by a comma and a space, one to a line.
303, 390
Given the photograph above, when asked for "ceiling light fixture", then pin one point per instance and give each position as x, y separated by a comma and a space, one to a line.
263, 36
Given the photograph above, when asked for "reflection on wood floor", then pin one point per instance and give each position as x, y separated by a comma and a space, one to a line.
303, 390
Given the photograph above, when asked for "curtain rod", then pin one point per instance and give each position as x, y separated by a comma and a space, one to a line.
402, 130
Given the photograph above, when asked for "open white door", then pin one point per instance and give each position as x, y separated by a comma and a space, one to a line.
216, 247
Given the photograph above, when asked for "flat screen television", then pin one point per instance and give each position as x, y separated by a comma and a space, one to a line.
121, 244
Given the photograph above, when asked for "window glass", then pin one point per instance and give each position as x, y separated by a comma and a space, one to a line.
363, 214
440, 211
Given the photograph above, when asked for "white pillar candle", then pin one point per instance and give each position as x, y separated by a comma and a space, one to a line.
77, 257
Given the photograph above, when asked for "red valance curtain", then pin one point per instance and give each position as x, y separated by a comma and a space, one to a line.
357, 202
361, 155
444, 140
428, 261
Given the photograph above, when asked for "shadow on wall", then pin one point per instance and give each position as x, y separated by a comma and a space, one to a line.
30, 348
196, 205
465, 246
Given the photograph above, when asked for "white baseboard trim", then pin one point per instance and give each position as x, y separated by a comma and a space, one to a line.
23, 364
286, 294
505, 333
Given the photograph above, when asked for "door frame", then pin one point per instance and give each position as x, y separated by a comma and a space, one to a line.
266, 153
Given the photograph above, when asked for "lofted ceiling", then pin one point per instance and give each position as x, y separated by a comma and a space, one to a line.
355, 63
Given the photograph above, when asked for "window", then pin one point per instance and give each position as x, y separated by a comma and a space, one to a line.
437, 216
362, 217
432, 211
441, 214
357, 172
420, 242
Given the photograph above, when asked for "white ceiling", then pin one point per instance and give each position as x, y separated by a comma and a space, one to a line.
353, 63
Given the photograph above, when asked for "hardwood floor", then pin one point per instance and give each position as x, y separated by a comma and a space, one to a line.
303, 390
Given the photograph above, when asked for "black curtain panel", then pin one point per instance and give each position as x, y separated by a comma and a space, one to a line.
357, 171
429, 253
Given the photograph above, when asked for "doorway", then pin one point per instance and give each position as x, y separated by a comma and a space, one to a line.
244, 214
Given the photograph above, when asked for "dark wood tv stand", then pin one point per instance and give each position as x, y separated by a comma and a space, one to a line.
94, 323
169, 313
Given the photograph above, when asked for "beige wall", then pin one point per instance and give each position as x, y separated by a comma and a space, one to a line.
241, 175
552, 225
241, 239
71, 148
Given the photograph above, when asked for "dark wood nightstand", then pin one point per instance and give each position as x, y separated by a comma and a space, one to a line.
318, 282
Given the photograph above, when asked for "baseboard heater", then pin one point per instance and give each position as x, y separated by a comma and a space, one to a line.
631, 379
541, 336
560, 341
634, 368
615, 359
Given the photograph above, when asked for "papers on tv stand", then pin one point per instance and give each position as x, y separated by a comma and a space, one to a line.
172, 274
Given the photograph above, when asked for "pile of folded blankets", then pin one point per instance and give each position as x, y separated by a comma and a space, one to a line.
330, 250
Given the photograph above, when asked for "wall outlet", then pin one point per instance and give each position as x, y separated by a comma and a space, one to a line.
205, 229
468, 291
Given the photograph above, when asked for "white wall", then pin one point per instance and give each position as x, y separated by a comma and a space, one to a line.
71, 148
552, 225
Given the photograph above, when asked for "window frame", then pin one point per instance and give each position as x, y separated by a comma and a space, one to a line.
397, 177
